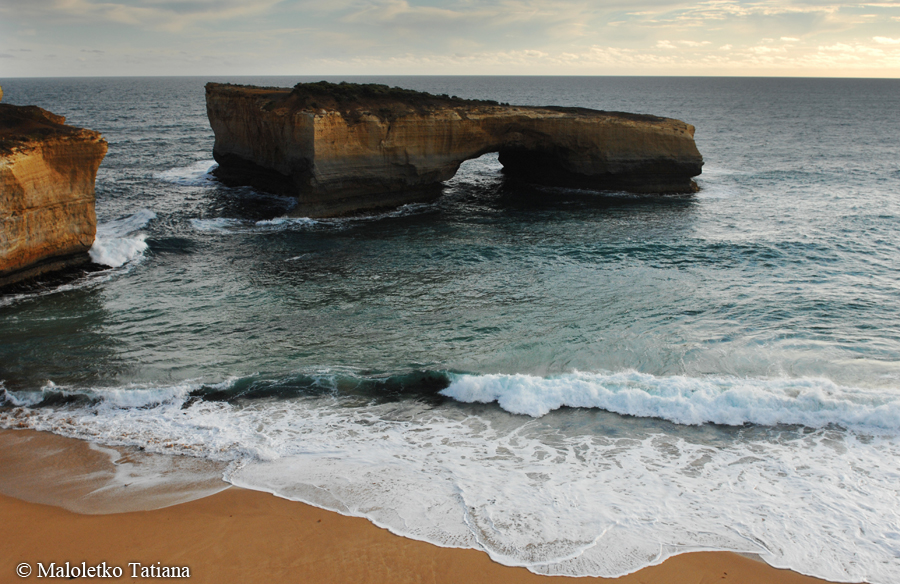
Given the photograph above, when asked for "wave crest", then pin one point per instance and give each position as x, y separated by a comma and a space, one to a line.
730, 401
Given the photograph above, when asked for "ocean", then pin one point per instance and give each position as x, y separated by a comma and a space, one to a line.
580, 383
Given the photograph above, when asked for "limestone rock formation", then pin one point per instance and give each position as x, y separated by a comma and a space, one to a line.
47, 173
344, 147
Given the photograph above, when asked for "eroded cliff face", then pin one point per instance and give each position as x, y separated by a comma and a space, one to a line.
341, 148
47, 173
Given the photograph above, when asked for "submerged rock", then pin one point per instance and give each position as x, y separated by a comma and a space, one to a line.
344, 147
47, 173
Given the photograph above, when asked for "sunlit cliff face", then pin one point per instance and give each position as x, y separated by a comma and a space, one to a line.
47, 173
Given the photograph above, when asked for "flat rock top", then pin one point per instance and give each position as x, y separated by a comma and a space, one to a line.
21, 125
386, 102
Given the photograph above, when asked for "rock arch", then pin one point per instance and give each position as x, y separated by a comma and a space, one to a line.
376, 150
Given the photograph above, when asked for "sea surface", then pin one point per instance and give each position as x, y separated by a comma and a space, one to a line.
575, 382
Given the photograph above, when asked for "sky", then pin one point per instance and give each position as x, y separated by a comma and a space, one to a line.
449, 37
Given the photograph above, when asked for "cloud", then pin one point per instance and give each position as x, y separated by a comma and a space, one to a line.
459, 36
393, 11
571, 15
661, 59
711, 11
671, 45
488, 23
763, 50
855, 51
168, 15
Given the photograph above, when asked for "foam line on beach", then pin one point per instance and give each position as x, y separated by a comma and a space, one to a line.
87, 478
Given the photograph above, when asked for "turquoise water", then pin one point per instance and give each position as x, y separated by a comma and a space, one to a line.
577, 382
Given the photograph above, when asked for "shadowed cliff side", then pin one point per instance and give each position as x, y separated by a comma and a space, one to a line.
341, 148
47, 173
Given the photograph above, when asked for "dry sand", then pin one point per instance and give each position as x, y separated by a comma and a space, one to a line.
237, 535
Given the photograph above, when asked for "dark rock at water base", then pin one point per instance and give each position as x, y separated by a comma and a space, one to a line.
50, 273
341, 148
47, 174
661, 176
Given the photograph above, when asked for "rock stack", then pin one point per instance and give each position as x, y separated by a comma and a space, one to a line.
47, 173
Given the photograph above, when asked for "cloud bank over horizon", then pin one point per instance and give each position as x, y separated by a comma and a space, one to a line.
449, 37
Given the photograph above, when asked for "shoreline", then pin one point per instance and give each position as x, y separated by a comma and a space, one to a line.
225, 533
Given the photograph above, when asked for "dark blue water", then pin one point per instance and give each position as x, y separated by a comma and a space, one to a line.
520, 354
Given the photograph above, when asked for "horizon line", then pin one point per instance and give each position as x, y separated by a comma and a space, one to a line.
896, 78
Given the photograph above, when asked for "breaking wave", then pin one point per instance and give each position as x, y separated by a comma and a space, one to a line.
117, 243
733, 401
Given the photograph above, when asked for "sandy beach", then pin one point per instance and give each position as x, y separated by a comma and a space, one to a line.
226, 534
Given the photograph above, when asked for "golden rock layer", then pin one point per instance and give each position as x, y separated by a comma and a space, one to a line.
341, 148
47, 173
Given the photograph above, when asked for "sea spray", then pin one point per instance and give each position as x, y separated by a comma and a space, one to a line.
117, 243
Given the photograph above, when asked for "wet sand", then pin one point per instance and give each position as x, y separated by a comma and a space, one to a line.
40, 467
237, 535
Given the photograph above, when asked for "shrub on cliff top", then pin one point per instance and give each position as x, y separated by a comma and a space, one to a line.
346, 94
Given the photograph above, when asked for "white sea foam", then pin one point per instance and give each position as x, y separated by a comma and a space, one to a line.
196, 174
279, 222
401, 211
117, 243
820, 501
218, 224
689, 400
117, 251
232, 225
88, 279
